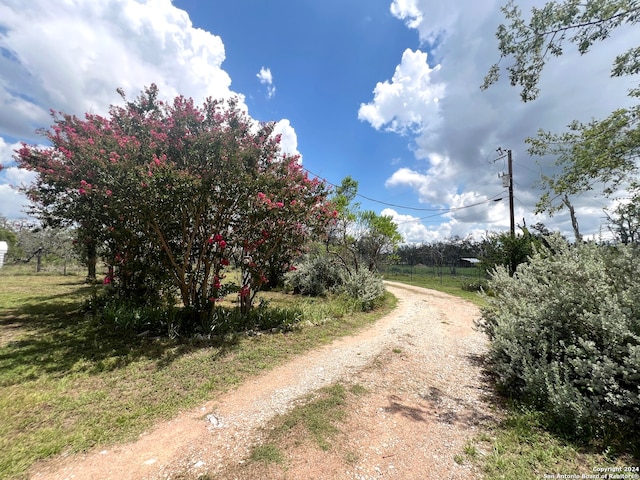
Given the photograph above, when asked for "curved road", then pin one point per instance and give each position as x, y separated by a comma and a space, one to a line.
434, 329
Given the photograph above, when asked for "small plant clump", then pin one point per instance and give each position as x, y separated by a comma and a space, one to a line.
319, 274
316, 275
173, 321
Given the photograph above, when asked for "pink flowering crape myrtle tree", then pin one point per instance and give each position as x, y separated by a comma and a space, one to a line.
171, 193
281, 218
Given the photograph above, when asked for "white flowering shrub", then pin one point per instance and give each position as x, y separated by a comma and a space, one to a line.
565, 336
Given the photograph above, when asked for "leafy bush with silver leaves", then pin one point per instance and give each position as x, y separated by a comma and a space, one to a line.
316, 275
565, 336
363, 286
320, 274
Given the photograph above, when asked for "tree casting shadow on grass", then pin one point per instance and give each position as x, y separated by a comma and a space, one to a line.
54, 337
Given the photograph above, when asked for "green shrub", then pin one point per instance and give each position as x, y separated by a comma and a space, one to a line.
565, 336
316, 275
177, 321
365, 287
263, 317
319, 274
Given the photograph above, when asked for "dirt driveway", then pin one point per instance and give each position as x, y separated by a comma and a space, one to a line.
426, 398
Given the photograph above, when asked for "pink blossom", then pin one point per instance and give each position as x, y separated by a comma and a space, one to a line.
224, 262
210, 241
217, 237
280, 204
107, 280
222, 244
82, 191
261, 195
109, 193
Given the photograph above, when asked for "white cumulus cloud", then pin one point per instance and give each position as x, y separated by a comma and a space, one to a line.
288, 137
411, 228
266, 78
73, 55
454, 128
14, 204
410, 100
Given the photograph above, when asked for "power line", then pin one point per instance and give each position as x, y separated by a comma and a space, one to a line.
455, 209
404, 207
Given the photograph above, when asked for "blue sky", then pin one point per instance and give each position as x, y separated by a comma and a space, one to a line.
386, 91
322, 57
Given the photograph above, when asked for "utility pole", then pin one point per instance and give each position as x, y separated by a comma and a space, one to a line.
512, 221
510, 185
511, 212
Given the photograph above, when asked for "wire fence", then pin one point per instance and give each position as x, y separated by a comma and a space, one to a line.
441, 272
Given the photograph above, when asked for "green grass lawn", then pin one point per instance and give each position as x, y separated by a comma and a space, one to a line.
520, 448
68, 383
451, 284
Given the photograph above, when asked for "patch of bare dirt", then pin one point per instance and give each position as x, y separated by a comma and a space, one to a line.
421, 366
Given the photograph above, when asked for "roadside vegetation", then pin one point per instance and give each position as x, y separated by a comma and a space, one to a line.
70, 380
564, 327
522, 447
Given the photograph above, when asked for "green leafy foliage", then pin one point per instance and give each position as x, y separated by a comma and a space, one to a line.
508, 250
624, 222
320, 274
600, 155
169, 320
529, 43
565, 336
317, 275
359, 238
364, 286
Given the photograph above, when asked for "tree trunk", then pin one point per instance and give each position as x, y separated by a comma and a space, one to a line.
92, 260
574, 220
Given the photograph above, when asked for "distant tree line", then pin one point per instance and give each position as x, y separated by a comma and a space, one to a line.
495, 248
